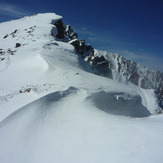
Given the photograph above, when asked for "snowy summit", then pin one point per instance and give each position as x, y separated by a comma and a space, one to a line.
63, 101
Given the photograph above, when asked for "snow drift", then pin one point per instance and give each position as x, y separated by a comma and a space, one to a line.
119, 103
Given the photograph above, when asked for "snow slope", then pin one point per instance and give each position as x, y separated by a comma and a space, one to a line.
53, 109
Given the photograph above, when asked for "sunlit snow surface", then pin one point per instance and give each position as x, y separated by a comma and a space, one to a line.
53, 109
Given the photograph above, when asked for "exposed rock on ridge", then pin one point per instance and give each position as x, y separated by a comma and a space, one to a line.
97, 62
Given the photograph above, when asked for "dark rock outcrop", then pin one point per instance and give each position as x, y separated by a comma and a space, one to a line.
100, 62
17, 45
75, 43
70, 33
60, 28
81, 47
5, 36
89, 49
13, 34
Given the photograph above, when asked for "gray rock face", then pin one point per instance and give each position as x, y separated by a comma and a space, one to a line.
138, 74
100, 63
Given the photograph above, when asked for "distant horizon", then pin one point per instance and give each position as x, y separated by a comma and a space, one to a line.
131, 29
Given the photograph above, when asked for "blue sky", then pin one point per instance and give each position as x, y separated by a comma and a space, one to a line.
132, 28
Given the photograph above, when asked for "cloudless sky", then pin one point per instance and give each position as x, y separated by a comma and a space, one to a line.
132, 28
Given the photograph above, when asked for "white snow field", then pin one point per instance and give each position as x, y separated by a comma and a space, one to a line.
53, 109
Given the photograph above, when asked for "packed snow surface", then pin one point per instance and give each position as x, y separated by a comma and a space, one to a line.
54, 109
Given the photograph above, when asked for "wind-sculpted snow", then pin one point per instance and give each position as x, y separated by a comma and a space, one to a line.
64, 126
22, 127
119, 103
53, 108
40, 107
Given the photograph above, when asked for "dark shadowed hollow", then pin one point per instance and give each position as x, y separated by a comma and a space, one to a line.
119, 104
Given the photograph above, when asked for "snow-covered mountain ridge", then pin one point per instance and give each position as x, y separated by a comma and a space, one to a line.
113, 65
135, 73
53, 108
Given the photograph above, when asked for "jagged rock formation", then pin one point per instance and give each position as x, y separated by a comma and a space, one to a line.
109, 64
67, 34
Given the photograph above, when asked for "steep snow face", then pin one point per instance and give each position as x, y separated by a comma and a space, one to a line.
54, 109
